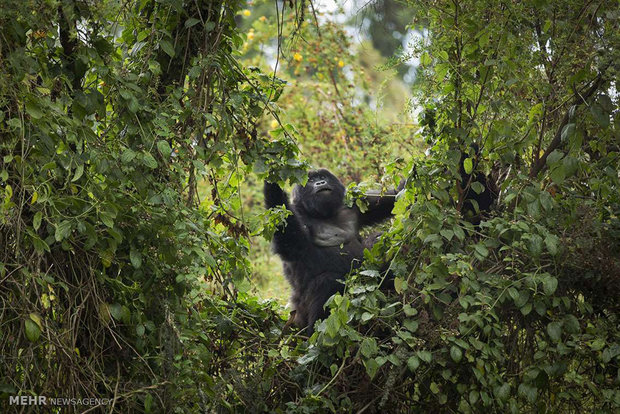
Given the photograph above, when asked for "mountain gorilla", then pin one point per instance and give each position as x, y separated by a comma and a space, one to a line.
321, 243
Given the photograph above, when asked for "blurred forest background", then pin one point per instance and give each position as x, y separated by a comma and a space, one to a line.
134, 245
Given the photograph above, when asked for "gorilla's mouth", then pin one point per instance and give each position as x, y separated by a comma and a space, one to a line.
329, 190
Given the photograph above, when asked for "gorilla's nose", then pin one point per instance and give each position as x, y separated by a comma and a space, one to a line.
320, 183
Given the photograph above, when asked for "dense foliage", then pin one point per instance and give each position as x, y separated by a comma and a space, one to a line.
132, 136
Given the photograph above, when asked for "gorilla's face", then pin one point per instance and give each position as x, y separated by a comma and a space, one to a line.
322, 196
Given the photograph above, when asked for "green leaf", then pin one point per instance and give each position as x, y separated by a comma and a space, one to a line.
413, 363
371, 367
552, 241
528, 392
366, 316
164, 148
39, 244
503, 392
554, 157
167, 47
127, 156
411, 325
481, 250
447, 233
456, 354
535, 245
368, 348
150, 161
550, 284
400, 285
63, 230
567, 131
459, 233
78, 173
116, 310
140, 329
33, 332
558, 175
477, 187
33, 110
191, 22
36, 221
148, 403
135, 257
106, 219
468, 165
425, 356
600, 115
571, 324
554, 329
425, 59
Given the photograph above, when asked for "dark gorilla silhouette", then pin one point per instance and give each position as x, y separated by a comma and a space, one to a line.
476, 207
321, 243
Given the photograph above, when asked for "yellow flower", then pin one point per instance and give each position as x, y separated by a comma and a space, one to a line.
298, 57
274, 124
340, 64
246, 12
262, 18
250, 35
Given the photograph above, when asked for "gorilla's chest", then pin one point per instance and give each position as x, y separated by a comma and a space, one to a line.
338, 230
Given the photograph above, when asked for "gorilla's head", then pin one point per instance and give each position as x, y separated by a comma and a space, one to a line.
322, 196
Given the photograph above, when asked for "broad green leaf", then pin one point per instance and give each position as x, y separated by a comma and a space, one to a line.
116, 310
33, 110
127, 156
447, 233
191, 22
413, 363
33, 332
425, 59
567, 131
554, 157
164, 148
368, 348
411, 325
425, 356
150, 161
167, 47
477, 187
571, 324
36, 221
135, 257
456, 354
558, 175
503, 392
63, 230
554, 329
550, 284
600, 115
468, 165
78, 173
481, 250
371, 367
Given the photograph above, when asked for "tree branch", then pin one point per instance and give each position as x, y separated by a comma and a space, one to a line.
541, 163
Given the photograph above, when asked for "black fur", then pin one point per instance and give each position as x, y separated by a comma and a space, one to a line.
476, 206
320, 243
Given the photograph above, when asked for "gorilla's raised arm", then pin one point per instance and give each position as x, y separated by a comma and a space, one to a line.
291, 241
379, 206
